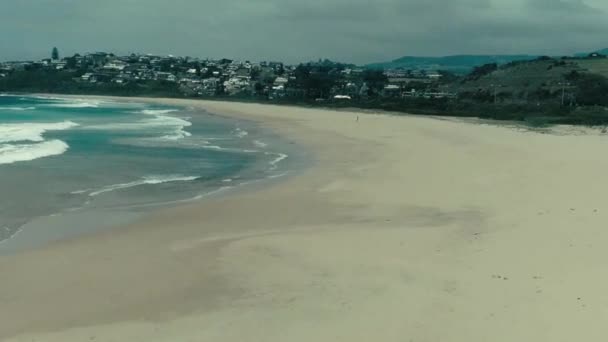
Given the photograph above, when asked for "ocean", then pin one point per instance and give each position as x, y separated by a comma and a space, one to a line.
69, 166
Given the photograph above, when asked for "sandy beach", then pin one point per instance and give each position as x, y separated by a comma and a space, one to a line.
401, 229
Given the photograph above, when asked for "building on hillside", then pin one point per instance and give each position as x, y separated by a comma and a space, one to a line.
280, 81
235, 85
278, 91
86, 77
97, 59
165, 76
60, 65
115, 64
241, 72
391, 90
434, 75
210, 86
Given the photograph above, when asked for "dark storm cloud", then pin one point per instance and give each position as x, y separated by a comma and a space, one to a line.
349, 30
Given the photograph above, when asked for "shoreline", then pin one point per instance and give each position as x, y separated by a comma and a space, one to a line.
405, 228
62, 225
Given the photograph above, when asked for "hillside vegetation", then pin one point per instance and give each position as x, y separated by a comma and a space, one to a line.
539, 92
459, 64
545, 90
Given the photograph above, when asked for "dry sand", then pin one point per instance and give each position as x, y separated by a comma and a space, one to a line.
404, 229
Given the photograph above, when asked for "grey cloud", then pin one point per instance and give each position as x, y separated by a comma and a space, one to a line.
294, 30
576, 6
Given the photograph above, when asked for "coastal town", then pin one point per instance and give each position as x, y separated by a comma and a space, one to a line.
194, 77
537, 90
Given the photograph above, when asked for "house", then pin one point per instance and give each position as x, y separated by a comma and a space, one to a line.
278, 91
97, 59
391, 90
342, 97
402, 81
280, 81
396, 73
86, 77
434, 75
235, 85
60, 65
190, 80
5, 69
209, 86
241, 71
429, 94
346, 71
115, 65
101, 77
165, 76
351, 89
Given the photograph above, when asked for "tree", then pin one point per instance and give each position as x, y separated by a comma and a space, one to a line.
375, 80
281, 70
71, 62
315, 80
258, 88
590, 89
483, 70
55, 54
447, 76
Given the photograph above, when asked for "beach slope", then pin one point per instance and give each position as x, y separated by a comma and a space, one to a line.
402, 229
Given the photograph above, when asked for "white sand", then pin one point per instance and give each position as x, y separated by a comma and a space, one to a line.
405, 229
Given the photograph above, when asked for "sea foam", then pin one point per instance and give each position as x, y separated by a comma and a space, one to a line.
158, 111
260, 144
148, 180
10, 153
171, 127
58, 102
177, 125
279, 158
18, 109
31, 131
240, 133
75, 105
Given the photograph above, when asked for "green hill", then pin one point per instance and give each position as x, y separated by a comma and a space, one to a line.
460, 64
566, 90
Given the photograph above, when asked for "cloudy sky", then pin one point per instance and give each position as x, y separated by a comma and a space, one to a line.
357, 31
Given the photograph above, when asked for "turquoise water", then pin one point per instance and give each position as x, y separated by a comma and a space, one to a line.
61, 157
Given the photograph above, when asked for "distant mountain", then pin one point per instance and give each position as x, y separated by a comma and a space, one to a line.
459, 64
585, 54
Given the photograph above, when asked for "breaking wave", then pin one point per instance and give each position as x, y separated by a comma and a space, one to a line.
279, 158
240, 133
31, 131
171, 128
148, 180
17, 134
18, 109
10, 153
